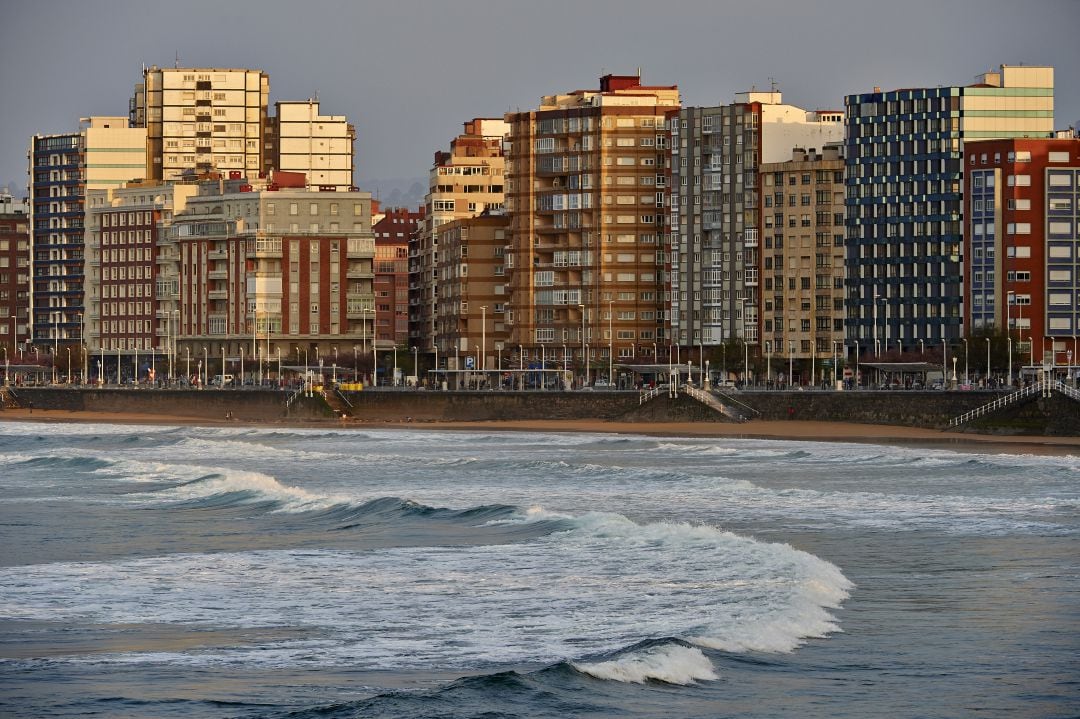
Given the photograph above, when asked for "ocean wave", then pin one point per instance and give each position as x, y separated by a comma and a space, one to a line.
670, 663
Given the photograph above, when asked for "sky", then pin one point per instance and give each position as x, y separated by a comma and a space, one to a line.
407, 73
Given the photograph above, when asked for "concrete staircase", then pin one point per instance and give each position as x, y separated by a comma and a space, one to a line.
337, 401
1042, 388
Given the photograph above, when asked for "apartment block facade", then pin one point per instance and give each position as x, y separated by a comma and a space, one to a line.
132, 290
273, 273
1022, 253
587, 267
104, 153
393, 229
201, 120
471, 308
904, 163
716, 219
462, 182
299, 139
802, 256
14, 276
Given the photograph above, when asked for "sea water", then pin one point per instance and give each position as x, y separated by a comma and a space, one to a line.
236, 572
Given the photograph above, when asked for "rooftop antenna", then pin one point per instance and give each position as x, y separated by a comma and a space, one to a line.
176, 62
772, 84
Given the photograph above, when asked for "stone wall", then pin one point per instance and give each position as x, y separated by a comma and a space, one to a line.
1057, 415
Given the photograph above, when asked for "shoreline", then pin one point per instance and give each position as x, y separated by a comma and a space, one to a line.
796, 430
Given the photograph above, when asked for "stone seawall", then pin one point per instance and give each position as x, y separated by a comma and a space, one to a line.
1055, 416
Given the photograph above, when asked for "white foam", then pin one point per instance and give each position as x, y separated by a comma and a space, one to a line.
263, 486
673, 664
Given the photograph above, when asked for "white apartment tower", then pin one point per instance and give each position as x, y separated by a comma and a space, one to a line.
200, 120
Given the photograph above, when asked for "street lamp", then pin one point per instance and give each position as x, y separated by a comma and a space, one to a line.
987, 382
746, 362
790, 363
416, 365
584, 361
610, 347
483, 338
966, 381
768, 364
874, 329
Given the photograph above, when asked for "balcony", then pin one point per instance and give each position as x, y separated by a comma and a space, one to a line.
218, 294
217, 255
217, 275
359, 273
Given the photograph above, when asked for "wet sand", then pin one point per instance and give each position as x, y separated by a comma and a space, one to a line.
757, 429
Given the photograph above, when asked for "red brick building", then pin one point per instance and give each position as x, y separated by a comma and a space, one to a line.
392, 229
14, 276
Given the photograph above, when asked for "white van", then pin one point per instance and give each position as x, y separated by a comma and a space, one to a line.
222, 380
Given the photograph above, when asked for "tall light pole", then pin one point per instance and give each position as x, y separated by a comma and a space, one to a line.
855, 377
790, 363
610, 347
483, 339
966, 380
1009, 344
415, 364
987, 382
584, 361
876, 295
768, 364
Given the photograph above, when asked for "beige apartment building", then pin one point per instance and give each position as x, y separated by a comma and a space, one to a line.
131, 286
586, 205
463, 182
470, 326
802, 261
280, 274
200, 120
319, 146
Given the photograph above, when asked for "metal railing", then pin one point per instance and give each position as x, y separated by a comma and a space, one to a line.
711, 401
338, 393
648, 394
728, 398
998, 403
1066, 390
295, 395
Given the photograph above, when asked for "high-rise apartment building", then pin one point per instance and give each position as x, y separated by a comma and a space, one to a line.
586, 217
802, 258
393, 229
904, 197
1022, 244
299, 139
716, 219
104, 153
471, 308
269, 273
200, 120
463, 182
14, 276
132, 287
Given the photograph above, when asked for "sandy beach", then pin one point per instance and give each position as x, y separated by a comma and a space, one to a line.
759, 429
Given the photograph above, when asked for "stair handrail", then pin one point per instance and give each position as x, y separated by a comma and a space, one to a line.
1070, 392
711, 401
342, 397
731, 399
996, 404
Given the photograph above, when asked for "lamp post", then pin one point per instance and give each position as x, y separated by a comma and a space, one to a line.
834, 364
199, 370
768, 364
610, 347
790, 363
521, 368
483, 339
187, 356
395, 365
564, 358
944, 357
435, 347
966, 380
415, 365
278, 348
1009, 342
855, 377
987, 382
746, 362
584, 361
874, 329
68, 363
922, 350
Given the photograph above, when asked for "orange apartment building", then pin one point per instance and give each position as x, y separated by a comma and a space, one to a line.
586, 219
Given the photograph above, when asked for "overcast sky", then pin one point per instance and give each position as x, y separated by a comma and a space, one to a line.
408, 73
